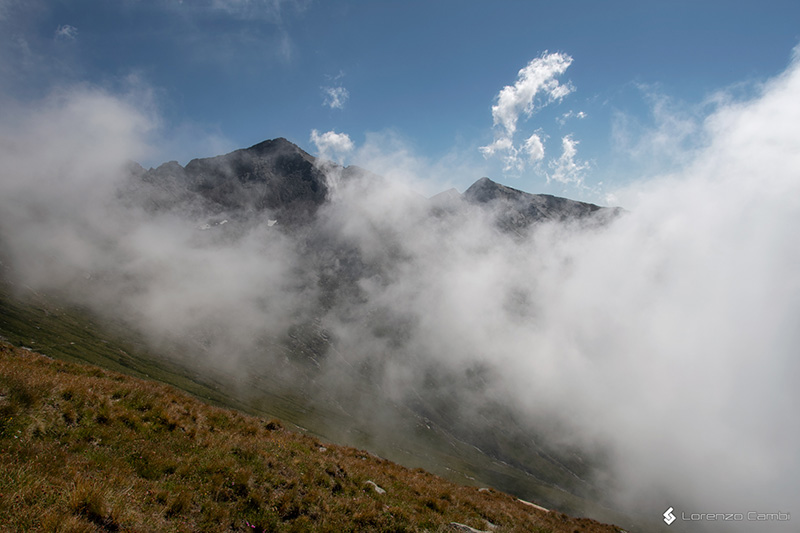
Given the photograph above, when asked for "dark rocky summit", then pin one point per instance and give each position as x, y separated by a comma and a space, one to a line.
275, 176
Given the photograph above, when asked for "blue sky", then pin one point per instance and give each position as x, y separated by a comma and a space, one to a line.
413, 84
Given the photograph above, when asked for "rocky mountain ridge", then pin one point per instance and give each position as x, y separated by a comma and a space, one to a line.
278, 176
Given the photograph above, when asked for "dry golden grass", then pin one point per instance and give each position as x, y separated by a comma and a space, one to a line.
84, 449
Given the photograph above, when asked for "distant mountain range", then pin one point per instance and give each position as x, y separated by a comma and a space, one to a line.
279, 176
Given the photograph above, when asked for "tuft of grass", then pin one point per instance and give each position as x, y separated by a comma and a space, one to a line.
88, 501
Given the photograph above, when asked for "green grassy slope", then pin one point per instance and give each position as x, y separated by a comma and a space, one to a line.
86, 449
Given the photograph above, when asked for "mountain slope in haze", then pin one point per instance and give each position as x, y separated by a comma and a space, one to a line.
74, 335
83, 449
298, 288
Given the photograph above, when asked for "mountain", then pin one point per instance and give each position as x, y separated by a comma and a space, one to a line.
274, 175
282, 285
518, 210
279, 177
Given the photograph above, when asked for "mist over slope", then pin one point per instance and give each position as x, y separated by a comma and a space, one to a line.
661, 342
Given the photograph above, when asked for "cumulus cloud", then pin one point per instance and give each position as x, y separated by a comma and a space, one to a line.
331, 145
537, 78
504, 148
534, 148
335, 97
567, 168
514, 158
536, 85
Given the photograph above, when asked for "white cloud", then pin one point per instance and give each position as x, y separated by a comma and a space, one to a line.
534, 148
332, 145
66, 32
567, 168
667, 139
503, 144
504, 148
536, 80
580, 115
335, 97
513, 157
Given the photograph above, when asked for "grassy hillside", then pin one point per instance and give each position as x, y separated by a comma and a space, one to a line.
87, 449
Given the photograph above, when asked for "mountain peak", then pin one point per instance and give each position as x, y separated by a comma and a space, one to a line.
276, 146
520, 209
485, 190
274, 175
